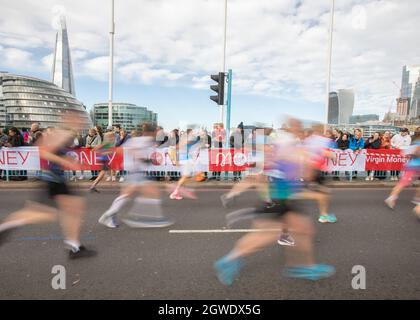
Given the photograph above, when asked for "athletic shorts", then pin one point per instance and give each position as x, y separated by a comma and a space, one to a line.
187, 168
57, 188
104, 164
319, 177
278, 209
137, 179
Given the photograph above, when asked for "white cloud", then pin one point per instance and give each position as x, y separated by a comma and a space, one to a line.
275, 47
14, 58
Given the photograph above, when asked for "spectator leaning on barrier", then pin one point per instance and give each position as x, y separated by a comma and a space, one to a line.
15, 140
93, 139
161, 138
218, 137
3, 137
343, 142
386, 140
401, 140
31, 136
416, 135
237, 143
25, 136
3, 140
374, 142
123, 137
356, 144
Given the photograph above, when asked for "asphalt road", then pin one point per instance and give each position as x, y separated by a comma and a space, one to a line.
156, 264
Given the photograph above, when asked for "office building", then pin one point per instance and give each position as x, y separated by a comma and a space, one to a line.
128, 115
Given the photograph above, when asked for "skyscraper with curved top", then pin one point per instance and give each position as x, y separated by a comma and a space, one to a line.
62, 72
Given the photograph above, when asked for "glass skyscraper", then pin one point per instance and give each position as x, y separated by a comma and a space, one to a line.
340, 106
333, 108
62, 71
128, 115
25, 100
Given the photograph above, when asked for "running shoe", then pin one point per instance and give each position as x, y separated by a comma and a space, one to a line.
240, 215
5, 235
227, 270
93, 189
81, 177
108, 179
416, 201
187, 193
314, 272
286, 240
81, 252
175, 196
225, 200
390, 202
109, 222
162, 223
330, 218
122, 179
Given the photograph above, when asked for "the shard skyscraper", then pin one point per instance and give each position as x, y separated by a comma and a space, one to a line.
62, 72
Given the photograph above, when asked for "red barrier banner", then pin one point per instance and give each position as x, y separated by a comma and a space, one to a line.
228, 160
383, 159
87, 159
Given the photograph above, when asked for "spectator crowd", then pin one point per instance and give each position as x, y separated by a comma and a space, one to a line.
13, 137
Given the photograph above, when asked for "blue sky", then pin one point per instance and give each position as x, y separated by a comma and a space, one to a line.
166, 50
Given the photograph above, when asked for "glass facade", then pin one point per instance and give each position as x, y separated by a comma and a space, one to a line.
415, 104
2, 107
345, 105
25, 100
360, 118
62, 74
333, 108
129, 116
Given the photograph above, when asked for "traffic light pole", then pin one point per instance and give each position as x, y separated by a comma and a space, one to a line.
228, 108
222, 107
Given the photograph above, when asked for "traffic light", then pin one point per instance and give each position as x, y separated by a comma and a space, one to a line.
219, 88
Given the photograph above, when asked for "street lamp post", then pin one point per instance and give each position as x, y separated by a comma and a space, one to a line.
111, 64
328, 86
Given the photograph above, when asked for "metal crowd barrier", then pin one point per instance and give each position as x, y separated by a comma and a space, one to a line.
25, 175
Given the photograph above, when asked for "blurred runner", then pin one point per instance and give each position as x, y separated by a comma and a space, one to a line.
67, 207
105, 149
411, 171
258, 179
284, 210
255, 178
189, 151
316, 146
147, 209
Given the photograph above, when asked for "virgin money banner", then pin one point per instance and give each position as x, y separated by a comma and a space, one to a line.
87, 159
347, 160
230, 160
382, 159
163, 159
22, 158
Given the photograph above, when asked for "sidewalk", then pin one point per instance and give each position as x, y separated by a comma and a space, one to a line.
4, 185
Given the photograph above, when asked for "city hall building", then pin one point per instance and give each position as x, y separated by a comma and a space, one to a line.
25, 100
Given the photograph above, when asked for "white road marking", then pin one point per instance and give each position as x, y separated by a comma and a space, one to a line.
225, 231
